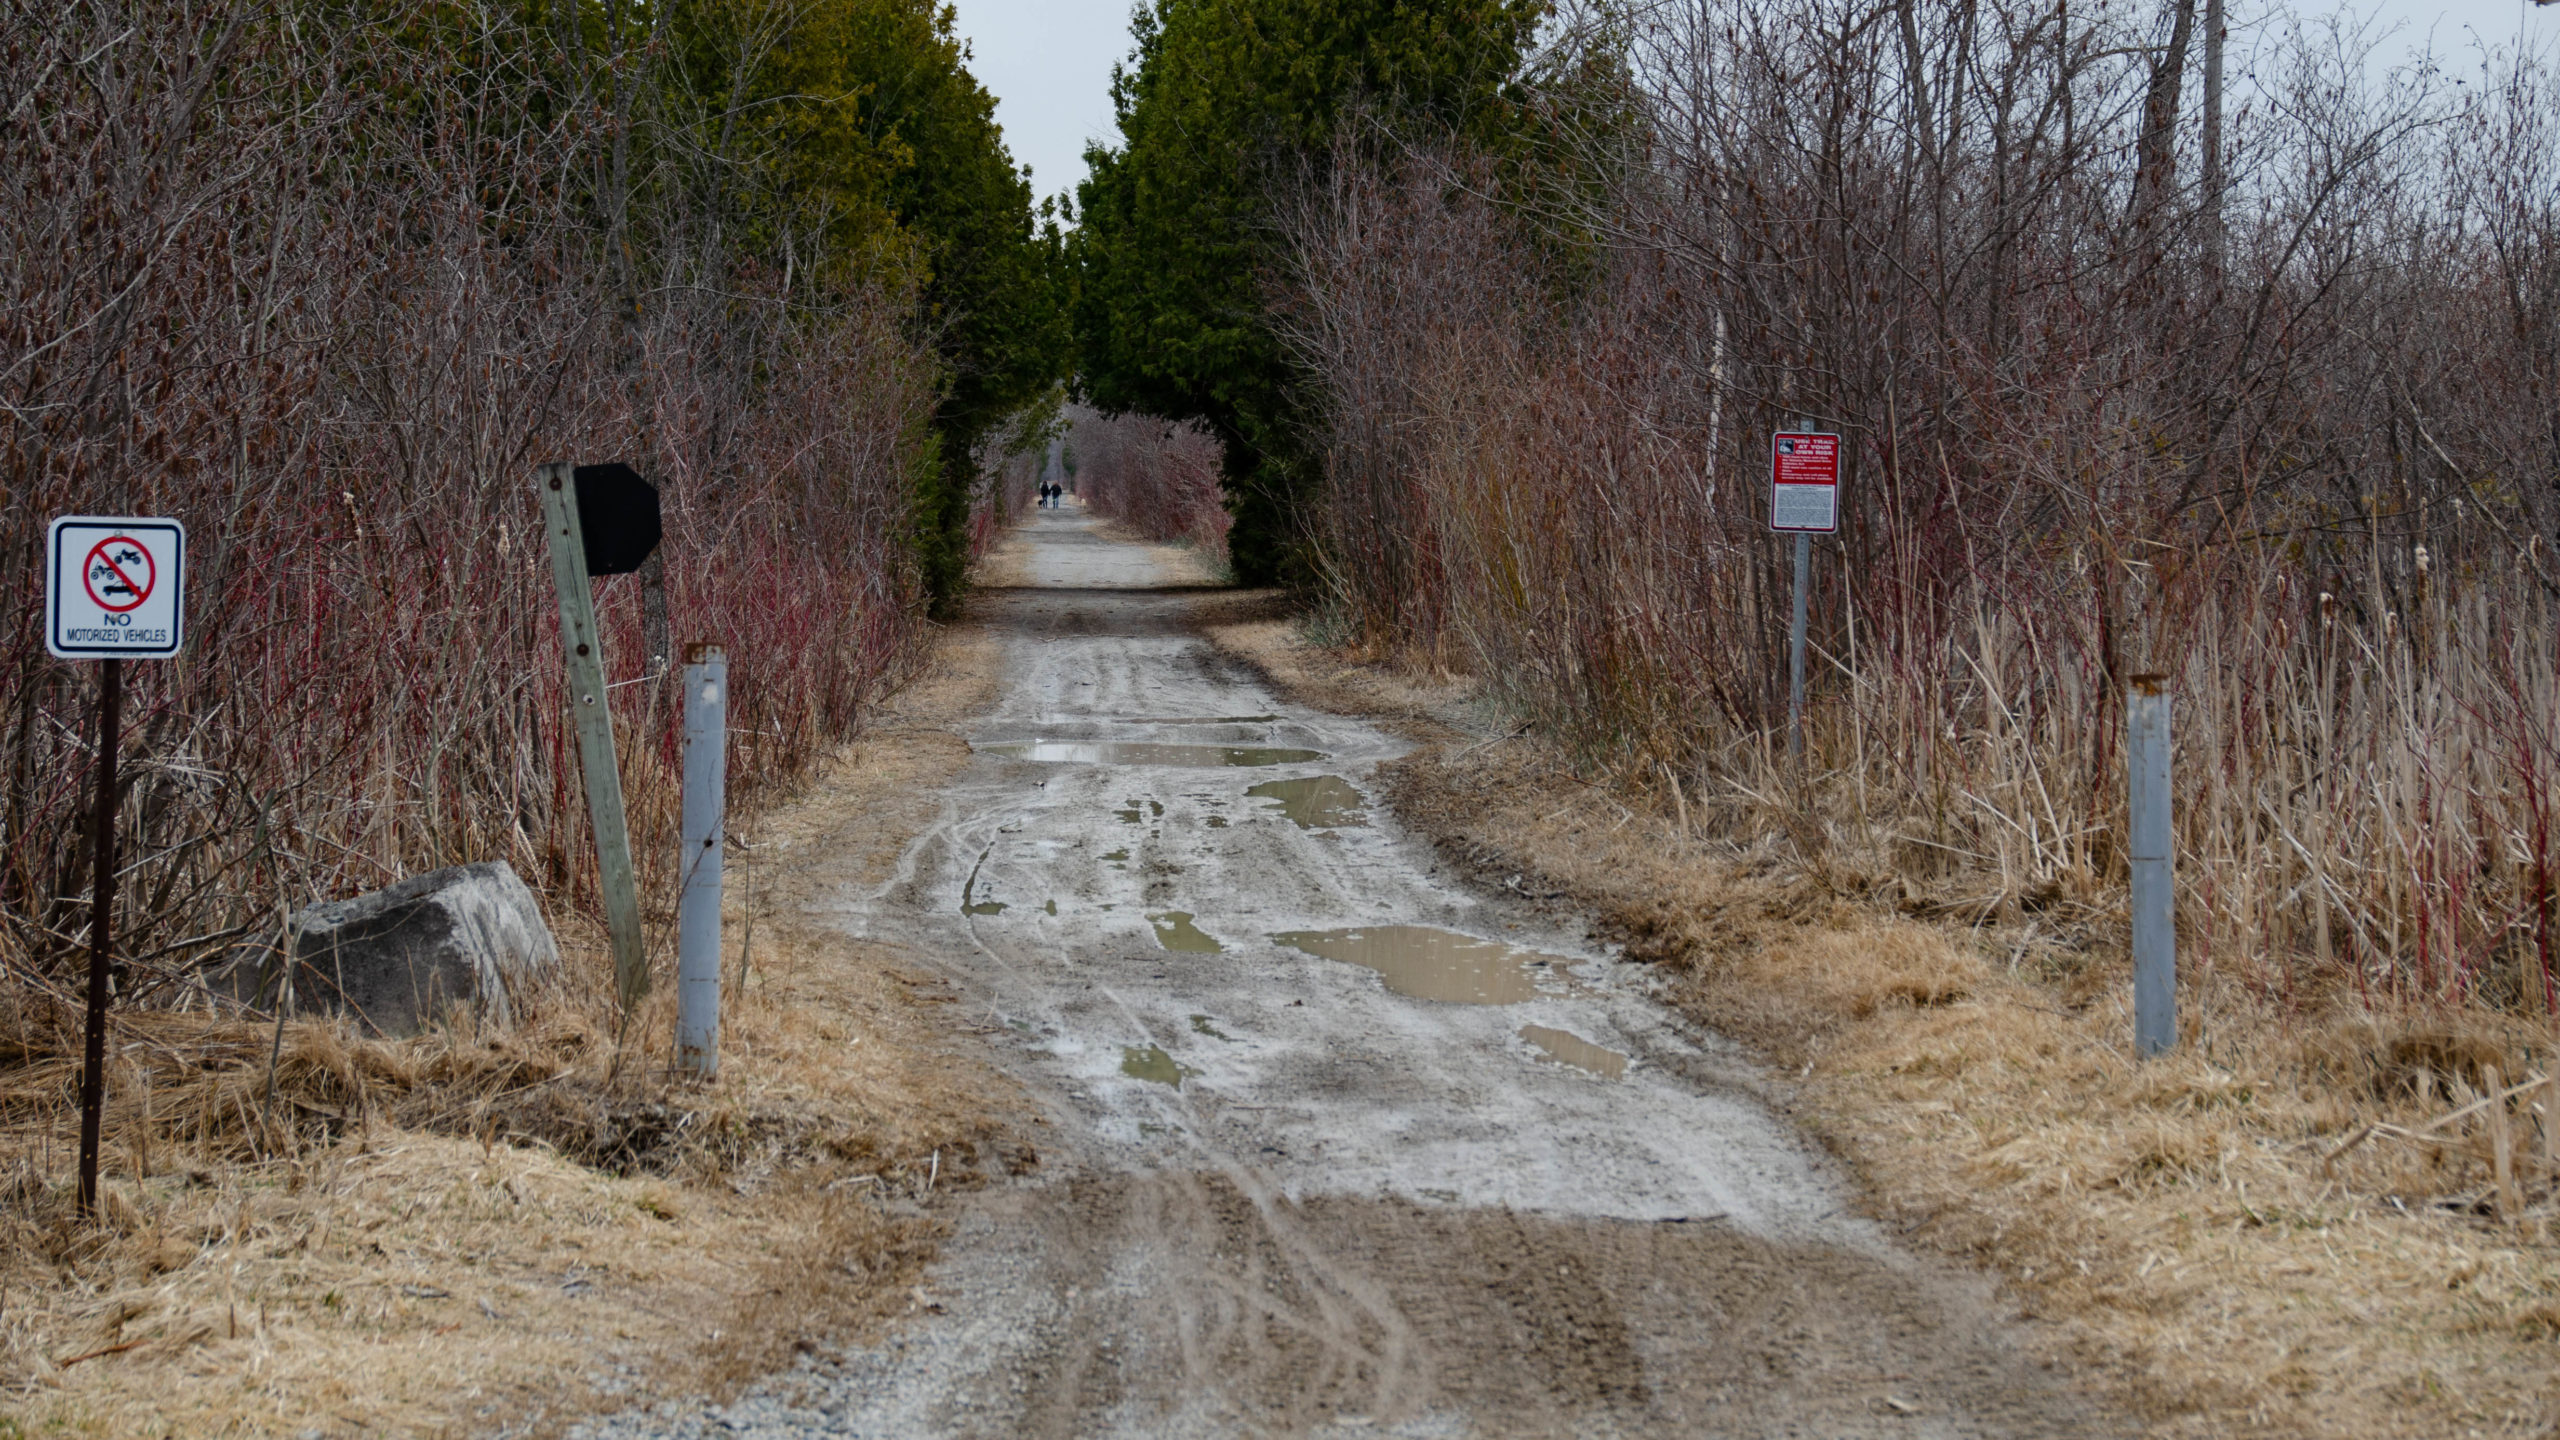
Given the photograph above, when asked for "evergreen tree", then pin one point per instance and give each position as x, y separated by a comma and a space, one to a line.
1223, 100
853, 145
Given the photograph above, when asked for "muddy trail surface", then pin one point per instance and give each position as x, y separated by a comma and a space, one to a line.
1334, 1144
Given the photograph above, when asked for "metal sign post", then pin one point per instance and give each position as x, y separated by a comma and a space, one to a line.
115, 588
1804, 499
590, 713
2155, 913
706, 784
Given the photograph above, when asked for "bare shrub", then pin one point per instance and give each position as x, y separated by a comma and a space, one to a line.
1156, 477
1011, 464
2287, 441
327, 294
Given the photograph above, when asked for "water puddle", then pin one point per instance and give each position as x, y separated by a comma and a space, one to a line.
970, 904
1573, 1050
1429, 963
1319, 802
1174, 931
1150, 1063
1145, 752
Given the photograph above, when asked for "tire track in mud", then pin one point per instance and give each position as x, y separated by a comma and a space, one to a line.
1280, 1198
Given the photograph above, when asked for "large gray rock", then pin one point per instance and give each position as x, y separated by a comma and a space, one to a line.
399, 958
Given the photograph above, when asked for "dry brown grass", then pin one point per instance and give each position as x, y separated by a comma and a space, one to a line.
428, 1236
2177, 1225
1416, 699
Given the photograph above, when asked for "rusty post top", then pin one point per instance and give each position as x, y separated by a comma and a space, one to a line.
701, 651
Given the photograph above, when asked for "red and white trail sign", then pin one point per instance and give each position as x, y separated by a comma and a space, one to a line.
114, 588
1804, 482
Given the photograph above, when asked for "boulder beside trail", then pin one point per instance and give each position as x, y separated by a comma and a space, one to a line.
399, 958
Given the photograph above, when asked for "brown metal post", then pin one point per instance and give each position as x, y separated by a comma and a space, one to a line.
102, 904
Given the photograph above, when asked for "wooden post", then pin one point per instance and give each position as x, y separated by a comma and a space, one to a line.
102, 907
593, 717
706, 747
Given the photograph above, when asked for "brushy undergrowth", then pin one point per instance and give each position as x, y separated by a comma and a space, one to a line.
328, 294
1158, 478
2107, 411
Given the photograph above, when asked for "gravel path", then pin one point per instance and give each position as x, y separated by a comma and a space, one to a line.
1335, 1144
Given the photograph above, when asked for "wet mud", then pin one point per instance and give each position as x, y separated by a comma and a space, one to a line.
1139, 752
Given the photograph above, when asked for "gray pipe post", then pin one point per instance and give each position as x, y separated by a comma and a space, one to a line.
2155, 907
1795, 647
706, 786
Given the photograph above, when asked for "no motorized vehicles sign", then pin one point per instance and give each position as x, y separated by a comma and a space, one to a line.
114, 588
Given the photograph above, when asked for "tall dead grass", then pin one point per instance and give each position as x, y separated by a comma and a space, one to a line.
2293, 1225
2102, 419
304, 1226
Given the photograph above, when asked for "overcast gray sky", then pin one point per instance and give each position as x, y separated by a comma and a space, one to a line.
1049, 62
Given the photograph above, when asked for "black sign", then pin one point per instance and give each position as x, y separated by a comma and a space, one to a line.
618, 514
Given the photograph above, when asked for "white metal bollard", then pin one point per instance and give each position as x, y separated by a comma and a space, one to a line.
2155, 906
706, 784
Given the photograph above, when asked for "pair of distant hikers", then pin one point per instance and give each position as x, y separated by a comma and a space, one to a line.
1050, 495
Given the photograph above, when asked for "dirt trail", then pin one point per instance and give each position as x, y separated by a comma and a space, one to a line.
1281, 1197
